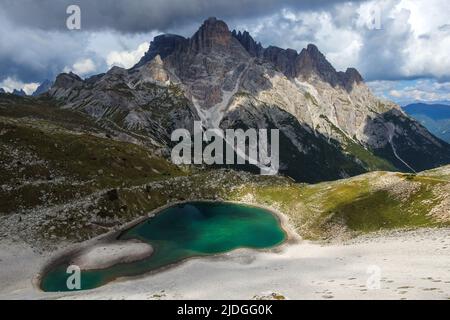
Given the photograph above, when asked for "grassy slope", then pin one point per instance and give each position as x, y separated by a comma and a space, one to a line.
366, 203
57, 166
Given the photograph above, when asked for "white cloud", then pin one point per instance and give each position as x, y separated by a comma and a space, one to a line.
396, 93
29, 88
9, 84
405, 92
428, 48
420, 95
82, 67
427, 91
127, 59
411, 42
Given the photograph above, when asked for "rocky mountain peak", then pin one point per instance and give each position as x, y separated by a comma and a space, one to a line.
213, 33
309, 62
349, 78
255, 49
19, 93
162, 45
312, 61
353, 75
283, 59
313, 50
43, 87
67, 81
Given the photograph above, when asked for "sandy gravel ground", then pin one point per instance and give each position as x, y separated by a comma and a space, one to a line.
395, 265
106, 255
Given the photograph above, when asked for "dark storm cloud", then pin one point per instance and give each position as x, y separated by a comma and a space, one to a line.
35, 43
31, 55
145, 15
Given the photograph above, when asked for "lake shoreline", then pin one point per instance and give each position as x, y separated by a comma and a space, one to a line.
67, 254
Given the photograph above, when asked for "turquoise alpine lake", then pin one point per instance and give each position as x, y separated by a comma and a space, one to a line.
182, 231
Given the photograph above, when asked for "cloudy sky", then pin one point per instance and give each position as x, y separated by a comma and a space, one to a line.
401, 47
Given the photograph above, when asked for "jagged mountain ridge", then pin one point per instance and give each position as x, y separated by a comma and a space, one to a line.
43, 87
226, 79
19, 93
303, 64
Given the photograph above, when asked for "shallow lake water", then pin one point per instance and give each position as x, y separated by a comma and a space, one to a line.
183, 231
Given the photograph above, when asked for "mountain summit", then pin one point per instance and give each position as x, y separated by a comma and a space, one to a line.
43, 87
212, 34
331, 125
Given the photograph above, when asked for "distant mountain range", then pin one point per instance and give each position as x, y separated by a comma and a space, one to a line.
15, 92
19, 93
435, 117
42, 88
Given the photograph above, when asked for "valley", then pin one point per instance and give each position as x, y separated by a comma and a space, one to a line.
54, 202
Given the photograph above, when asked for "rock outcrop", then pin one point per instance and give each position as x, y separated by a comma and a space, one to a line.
163, 45
213, 34
255, 49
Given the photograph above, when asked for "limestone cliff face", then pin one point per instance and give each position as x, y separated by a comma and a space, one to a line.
255, 49
163, 45
212, 35
330, 121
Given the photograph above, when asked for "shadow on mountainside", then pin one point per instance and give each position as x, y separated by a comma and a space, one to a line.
405, 143
305, 155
